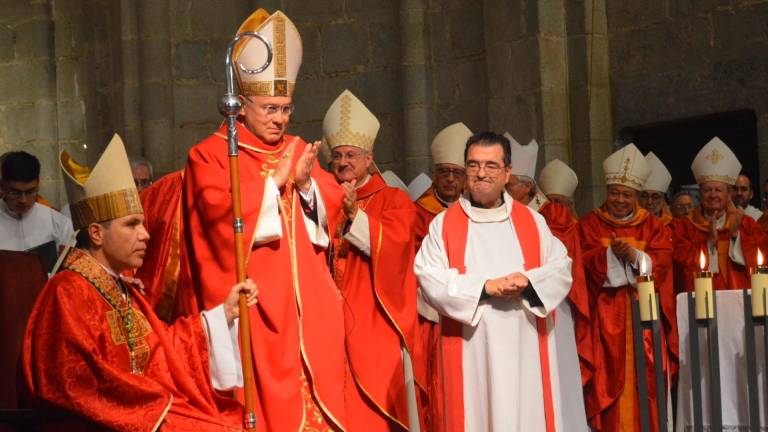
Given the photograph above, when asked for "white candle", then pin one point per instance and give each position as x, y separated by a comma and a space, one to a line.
646, 294
702, 284
759, 287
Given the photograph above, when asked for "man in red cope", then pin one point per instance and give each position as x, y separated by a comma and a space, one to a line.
448, 178
716, 227
372, 265
95, 349
573, 317
289, 205
617, 238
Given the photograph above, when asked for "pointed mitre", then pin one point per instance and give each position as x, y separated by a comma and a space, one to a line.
557, 178
626, 167
524, 158
716, 162
448, 145
508, 136
349, 123
392, 180
418, 186
660, 178
279, 78
108, 192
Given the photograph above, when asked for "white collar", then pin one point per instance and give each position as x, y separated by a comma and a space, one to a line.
483, 215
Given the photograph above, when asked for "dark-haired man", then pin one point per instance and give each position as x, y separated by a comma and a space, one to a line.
24, 223
491, 268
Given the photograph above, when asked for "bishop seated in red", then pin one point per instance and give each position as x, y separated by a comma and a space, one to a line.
95, 349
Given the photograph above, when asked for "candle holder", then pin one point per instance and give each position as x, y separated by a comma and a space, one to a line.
755, 316
704, 305
639, 325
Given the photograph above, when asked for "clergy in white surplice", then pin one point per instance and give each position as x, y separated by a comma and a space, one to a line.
493, 270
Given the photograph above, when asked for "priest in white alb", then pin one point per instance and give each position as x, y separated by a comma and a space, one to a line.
493, 270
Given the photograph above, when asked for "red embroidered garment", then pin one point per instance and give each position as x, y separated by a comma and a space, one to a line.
690, 235
611, 406
297, 325
380, 307
76, 357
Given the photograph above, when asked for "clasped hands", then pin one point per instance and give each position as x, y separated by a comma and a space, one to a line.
511, 285
623, 250
301, 175
736, 215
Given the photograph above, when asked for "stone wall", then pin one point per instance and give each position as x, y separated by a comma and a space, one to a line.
672, 59
568, 73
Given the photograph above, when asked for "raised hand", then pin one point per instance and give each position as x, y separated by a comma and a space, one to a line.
736, 215
283, 168
304, 166
350, 199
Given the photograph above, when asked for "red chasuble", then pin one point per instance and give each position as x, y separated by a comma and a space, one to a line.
612, 406
380, 307
297, 328
690, 237
162, 218
455, 233
565, 227
76, 357
427, 351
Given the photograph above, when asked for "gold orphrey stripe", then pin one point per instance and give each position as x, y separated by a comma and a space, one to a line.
105, 207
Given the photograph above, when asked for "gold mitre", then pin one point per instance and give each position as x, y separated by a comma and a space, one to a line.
626, 167
448, 145
108, 192
660, 178
716, 162
349, 123
279, 78
558, 178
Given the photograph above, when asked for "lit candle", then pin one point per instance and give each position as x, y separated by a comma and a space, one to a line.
759, 287
702, 284
646, 294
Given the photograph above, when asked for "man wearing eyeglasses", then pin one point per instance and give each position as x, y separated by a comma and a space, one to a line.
371, 263
289, 207
493, 270
24, 223
620, 241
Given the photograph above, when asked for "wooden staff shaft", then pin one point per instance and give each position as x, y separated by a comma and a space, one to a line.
245, 328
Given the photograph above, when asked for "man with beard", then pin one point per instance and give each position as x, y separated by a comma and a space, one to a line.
741, 195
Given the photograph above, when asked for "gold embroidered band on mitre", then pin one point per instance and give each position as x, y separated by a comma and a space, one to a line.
267, 88
105, 207
716, 177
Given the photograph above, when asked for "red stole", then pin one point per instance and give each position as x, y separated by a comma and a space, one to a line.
455, 232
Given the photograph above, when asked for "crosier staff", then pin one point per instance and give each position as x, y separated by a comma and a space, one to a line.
229, 107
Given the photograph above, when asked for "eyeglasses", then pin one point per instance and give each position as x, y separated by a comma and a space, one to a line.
270, 110
337, 156
447, 172
653, 196
491, 168
16, 194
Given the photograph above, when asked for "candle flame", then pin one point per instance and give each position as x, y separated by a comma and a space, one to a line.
702, 261
642, 266
759, 258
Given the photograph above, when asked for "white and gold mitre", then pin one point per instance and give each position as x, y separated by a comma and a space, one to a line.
448, 145
349, 123
626, 167
279, 78
558, 178
660, 178
716, 162
106, 192
524, 158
